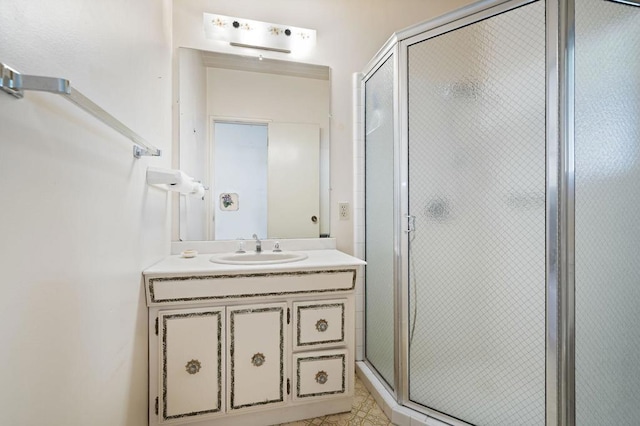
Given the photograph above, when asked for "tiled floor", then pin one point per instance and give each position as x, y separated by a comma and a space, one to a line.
364, 412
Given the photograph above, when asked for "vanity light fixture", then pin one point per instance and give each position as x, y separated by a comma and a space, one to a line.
258, 35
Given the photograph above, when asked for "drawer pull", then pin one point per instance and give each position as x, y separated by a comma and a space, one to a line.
193, 366
322, 377
322, 325
257, 359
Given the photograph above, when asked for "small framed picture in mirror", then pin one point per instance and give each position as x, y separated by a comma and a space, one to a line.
228, 201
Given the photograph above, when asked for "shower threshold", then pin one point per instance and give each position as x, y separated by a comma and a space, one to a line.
399, 414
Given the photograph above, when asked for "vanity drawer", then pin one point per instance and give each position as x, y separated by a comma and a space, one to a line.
320, 374
200, 289
319, 323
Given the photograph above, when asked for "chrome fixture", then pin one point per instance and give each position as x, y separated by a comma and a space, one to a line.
627, 2
14, 83
258, 243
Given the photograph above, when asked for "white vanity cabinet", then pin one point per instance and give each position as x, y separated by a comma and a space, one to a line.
250, 348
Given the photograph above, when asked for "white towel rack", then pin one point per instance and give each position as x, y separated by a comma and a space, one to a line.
14, 83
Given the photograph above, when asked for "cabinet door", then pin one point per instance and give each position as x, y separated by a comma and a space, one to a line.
319, 324
321, 374
191, 354
256, 357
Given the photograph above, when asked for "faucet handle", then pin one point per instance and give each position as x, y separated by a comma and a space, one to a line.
258, 244
276, 246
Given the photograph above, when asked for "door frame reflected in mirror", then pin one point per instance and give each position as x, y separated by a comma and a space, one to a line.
265, 180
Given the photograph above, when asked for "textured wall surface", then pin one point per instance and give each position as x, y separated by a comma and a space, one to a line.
77, 220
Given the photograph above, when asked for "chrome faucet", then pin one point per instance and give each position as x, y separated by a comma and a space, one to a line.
258, 244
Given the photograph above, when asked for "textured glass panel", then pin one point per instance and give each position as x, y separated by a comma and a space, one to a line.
607, 230
379, 220
477, 189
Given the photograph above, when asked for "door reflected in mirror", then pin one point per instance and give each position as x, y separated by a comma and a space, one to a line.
266, 180
256, 132
240, 180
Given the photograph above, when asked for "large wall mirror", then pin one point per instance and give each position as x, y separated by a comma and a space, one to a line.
256, 132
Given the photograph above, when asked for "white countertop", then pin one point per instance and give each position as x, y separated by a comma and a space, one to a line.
317, 259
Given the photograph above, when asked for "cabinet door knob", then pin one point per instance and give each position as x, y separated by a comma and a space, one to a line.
322, 325
257, 359
322, 377
193, 366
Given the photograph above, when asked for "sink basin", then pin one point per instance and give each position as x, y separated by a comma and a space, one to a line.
263, 258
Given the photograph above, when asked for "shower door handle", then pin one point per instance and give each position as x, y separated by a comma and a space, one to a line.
411, 223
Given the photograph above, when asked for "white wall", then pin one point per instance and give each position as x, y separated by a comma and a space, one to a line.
349, 34
78, 223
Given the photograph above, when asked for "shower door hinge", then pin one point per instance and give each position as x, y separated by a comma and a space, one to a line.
157, 403
411, 223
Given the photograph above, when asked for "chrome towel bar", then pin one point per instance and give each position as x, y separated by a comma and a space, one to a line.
14, 83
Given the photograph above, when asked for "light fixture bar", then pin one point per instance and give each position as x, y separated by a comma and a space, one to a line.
271, 49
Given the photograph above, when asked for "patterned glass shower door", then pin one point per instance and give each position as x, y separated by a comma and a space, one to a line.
607, 200
379, 207
476, 170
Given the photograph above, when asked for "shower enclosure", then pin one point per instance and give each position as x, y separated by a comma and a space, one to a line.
502, 190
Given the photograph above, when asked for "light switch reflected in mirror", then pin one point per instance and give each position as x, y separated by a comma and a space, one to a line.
257, 133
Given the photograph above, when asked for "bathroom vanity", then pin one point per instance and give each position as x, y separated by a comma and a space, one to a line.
250, 344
